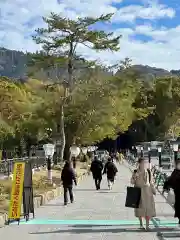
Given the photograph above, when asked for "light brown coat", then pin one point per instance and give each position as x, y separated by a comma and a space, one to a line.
147, 204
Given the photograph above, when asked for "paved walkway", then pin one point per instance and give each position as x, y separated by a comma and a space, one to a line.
80, 219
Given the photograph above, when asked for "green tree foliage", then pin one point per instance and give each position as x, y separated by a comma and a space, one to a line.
162, 99
60, 41
100, 107
167, 100
96, 111
62, 37
88, 107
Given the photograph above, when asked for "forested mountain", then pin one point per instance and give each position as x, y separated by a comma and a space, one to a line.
175, 72
147, 72
13, 64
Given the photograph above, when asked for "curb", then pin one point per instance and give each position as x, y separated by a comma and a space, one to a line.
44, 198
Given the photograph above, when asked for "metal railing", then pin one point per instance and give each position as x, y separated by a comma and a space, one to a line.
7, 166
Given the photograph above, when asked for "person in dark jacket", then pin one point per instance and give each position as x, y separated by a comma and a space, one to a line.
68, 177
173, 182
110, 169
96, 169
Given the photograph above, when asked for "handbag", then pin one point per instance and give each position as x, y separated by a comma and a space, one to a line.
133, 197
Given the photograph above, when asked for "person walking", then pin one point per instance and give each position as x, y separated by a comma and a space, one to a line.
110, 169
143, 179
173, 182
68, 176
117, 156
121, 158
96, 169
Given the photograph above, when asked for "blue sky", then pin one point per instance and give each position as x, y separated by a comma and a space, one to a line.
150, 29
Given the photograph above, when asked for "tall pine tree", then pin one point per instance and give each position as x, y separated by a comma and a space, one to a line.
60, 41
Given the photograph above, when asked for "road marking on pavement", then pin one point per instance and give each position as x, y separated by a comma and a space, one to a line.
95, 222
80, 222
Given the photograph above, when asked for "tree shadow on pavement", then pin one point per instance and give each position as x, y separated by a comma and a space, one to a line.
107, 191
83, 190
81, 230
54, 205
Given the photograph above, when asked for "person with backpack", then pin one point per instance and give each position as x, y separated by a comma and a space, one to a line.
142, 178
110, 169
68, 176
96, 169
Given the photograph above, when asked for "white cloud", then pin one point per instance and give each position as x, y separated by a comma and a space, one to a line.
153, 11
91, 8
14, 16
163, 51
170, 36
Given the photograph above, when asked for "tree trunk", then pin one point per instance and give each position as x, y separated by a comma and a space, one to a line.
67, 154
62, 133
70, 66
65, 144
69, 143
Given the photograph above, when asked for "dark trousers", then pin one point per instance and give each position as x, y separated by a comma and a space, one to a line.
66, 190
98, 183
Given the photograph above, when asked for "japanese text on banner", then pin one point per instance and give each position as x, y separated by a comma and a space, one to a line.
17, 190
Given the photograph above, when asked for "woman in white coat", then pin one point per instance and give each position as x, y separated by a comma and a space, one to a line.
142, 178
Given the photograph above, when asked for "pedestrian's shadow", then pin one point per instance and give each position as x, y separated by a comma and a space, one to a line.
107, 191
83, 190
90, 190
81, 229
53, 205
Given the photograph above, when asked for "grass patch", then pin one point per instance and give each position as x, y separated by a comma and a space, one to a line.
40, 184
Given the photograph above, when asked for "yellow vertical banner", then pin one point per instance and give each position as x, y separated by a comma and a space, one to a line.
17, 191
